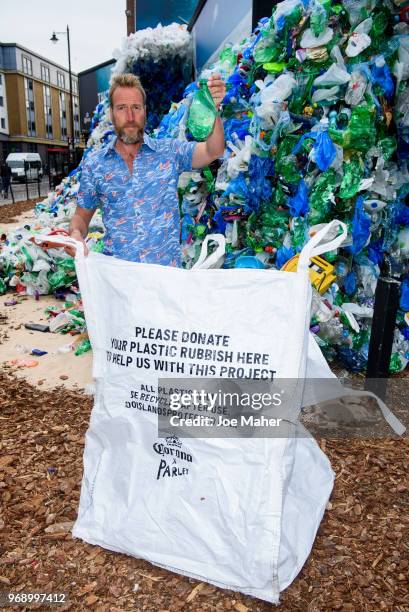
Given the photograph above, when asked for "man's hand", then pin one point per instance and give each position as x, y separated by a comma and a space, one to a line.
217, 88
76, 234
79, 227
46, 245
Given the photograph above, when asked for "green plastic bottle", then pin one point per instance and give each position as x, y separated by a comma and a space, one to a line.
83, 347
202, 113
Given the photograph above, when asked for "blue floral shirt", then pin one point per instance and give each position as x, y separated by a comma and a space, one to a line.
140, 211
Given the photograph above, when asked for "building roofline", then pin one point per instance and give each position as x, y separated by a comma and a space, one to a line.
111, 61
41, 57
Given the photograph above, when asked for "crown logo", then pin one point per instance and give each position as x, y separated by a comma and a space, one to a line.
173, 441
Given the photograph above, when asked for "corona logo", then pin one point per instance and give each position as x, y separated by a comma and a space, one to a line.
173, 441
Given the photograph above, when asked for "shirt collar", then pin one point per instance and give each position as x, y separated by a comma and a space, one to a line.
147, 140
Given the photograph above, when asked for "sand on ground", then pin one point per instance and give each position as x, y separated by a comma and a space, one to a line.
53, 365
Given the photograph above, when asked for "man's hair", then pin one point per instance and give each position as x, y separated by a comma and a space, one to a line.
125, 80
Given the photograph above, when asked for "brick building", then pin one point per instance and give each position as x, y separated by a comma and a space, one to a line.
35, 105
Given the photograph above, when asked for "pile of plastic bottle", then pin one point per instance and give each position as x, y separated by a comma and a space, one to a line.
316, 119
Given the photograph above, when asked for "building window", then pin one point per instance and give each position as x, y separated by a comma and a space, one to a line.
63, 117
1, 101
1, 79
3, 124
61, 80
30, 110
74, 86
45, 73
27, 65
48, 112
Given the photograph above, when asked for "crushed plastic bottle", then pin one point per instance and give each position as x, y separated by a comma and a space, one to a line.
202, 113
83, 347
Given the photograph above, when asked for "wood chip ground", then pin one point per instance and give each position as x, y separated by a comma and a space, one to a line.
360, 560
9, 213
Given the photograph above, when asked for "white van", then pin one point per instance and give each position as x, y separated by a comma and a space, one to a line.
34, 167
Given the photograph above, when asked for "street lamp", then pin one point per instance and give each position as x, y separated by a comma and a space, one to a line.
71, 141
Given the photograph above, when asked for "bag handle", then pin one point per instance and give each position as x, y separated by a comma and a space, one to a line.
60, 240
387, 414
209, 261
315, 246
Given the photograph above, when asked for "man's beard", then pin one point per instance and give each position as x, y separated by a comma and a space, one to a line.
130, 137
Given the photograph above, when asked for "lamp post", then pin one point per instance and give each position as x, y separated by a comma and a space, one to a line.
71, 140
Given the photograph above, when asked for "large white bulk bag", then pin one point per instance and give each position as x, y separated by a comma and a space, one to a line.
240, 513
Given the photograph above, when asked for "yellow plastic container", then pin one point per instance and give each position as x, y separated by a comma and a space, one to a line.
321, 272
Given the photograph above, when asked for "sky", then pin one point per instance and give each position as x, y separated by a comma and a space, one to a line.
97, 27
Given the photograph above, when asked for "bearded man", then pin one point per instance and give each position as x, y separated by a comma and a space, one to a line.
134, 179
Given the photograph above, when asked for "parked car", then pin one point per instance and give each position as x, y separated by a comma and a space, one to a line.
25, 163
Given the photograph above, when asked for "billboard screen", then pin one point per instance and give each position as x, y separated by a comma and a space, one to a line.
220, 22
93, 83
149, 14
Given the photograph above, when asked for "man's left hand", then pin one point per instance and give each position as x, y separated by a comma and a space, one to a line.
217, 88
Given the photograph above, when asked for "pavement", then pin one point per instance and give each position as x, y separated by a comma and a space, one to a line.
20, 191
